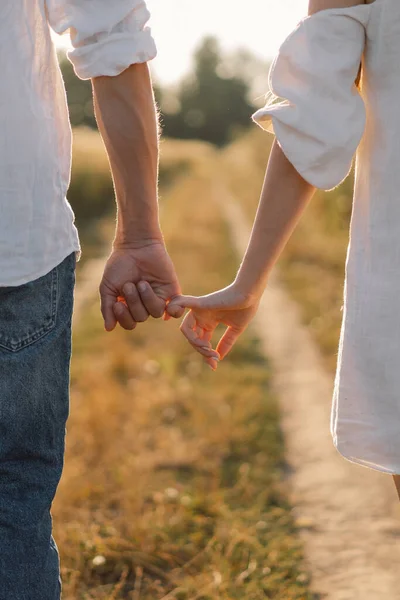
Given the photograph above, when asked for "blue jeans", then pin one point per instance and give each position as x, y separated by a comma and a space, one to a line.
35, 351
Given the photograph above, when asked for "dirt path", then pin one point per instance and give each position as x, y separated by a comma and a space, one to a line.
349, 515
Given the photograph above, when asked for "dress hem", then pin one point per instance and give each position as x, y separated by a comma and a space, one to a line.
364, 463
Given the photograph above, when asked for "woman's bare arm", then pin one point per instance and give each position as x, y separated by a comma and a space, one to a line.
284, 196
283, 199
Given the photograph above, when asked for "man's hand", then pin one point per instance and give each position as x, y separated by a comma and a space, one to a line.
126, 272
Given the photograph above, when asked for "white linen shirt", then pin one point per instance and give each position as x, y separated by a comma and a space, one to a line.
321, 120
36, 220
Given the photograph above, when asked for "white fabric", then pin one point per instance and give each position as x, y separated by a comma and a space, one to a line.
321, 121
320, 57
107, 36
36, 221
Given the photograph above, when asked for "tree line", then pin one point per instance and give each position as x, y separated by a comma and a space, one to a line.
213, 102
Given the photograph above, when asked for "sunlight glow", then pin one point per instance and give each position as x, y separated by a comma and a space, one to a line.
179, 25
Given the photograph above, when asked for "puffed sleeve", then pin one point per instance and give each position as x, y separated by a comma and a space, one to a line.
107, 35
320, 119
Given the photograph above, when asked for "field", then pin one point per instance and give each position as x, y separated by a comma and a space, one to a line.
174, 485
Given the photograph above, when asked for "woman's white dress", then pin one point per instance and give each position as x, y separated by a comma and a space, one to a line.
320, 123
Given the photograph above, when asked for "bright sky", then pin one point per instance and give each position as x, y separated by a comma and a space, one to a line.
179, 25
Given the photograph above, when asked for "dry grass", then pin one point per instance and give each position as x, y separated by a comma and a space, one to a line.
173, 480
312, 265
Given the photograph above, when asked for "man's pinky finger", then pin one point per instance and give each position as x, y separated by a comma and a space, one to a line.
107, 311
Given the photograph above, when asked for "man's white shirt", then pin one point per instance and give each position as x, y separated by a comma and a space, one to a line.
36, 221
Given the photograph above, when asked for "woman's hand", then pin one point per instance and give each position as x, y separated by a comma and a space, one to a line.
229, 306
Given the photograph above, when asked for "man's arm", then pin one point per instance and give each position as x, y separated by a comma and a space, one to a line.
111, 45
126, 116
127, 119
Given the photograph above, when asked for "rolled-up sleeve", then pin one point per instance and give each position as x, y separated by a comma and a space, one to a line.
320, 118
107, 35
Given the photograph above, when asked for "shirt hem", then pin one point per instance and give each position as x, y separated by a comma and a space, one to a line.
45, 269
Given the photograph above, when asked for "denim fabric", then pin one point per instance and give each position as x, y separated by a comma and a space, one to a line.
35, 350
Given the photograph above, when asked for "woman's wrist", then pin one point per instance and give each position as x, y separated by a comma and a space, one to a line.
248, 288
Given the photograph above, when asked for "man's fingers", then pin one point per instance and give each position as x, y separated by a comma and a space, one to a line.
227, 341
123, 316
107, 305
138, 311
154, 305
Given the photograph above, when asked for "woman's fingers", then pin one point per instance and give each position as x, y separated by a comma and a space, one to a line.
212, 362
188, 324
123, 316
207, 335
190, 330
199, 345
177, 306
227, 341
224, 299
215, 301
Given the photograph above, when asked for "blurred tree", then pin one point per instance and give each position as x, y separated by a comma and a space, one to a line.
251, 69
210, 104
